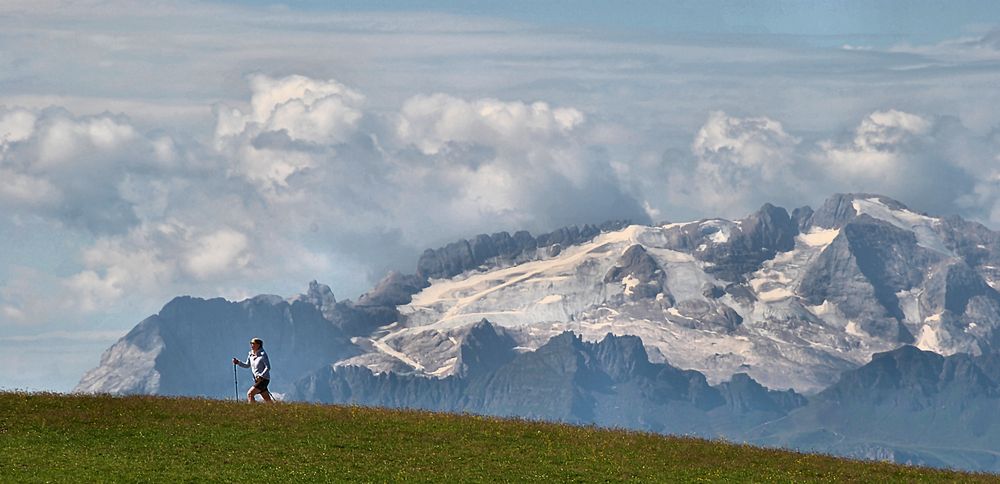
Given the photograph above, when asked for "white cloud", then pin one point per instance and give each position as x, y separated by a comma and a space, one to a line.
63, 139
879, 146
431, 122
19, 189
219, 253
15, 125
738, 163
70, 168
295, 109
325, 112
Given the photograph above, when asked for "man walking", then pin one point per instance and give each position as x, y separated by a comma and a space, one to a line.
261, 367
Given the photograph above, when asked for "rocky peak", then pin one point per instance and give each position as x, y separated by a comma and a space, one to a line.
484, 349
743, 394
321, 296
906, 367
759, 237
639, 272
770, 230
622, 357
502, 249
393, 290
839, 209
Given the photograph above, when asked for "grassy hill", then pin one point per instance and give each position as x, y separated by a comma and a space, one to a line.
46, 437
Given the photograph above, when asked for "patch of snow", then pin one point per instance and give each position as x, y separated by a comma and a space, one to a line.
773, 295
675, 225
854, 330
384, 348
929, 339
823, 309
723, 230
630, 282
551, 298
720, 237
446, 369
818, 237
922, 226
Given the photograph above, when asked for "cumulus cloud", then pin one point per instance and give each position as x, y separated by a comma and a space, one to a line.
879, 146
932, 163
312, 185
432, 122
737, 163
70, 168
929, 162
153, 256
294, 111
510, 163
440, 166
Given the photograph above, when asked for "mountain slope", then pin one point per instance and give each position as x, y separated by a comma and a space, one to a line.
791, 300
907, 405
666, 328
609, 383
186, 348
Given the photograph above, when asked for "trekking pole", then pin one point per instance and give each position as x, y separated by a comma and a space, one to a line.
236, 385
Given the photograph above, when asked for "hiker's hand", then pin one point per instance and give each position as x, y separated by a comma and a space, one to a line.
235, 361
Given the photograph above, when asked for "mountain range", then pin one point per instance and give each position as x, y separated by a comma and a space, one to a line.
862, 328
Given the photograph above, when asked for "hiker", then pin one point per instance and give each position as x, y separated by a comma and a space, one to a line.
261, 367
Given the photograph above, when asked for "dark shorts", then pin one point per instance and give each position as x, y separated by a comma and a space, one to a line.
261, 384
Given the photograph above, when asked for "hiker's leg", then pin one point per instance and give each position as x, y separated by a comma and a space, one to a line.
251, 393
266, 395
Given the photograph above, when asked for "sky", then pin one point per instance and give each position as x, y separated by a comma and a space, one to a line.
156, 149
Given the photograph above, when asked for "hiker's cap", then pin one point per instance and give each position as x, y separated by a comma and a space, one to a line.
258, 341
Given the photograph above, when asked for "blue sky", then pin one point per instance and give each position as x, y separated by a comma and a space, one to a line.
882, 23
149, 150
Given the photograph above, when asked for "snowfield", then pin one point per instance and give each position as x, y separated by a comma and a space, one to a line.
781, 342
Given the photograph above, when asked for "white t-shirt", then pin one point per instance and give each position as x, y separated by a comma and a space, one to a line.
259, 364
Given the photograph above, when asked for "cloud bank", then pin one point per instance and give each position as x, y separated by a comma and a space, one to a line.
302, 180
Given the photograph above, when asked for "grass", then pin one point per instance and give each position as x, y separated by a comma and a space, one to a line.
47, 437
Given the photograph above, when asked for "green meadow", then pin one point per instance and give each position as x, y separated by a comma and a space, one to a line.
47, 437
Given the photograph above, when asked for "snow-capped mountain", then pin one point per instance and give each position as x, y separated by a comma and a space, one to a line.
713, 327
792, 301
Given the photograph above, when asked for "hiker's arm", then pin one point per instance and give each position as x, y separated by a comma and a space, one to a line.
242, 364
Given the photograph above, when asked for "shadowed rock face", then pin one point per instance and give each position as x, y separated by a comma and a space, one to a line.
906, 405
187, 347
838, 210
751, 241
642, 275
394, 290
607, 383
951, 286
867, 264
912, 379
484, 349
